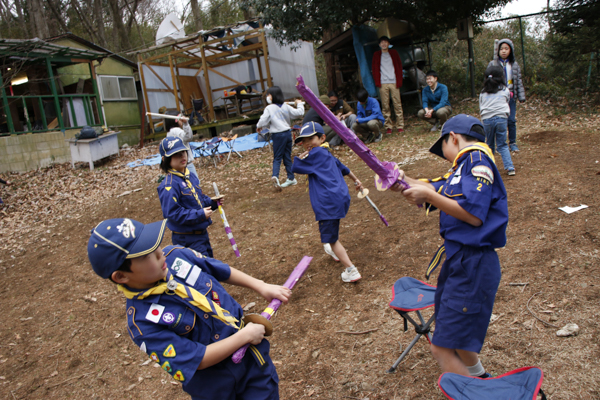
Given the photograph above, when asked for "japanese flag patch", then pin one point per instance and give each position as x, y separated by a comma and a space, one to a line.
181, 267
481, 171
155, 312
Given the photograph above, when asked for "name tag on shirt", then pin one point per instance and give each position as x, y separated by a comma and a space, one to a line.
191, 280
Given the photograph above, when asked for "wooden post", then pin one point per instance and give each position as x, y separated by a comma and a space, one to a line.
147, 103
265, 49
262, 80
174, 83
11, 128
95, 86
207, 81
55, 95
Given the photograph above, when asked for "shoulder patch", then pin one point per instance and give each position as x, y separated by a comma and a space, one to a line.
481, 171
181, 267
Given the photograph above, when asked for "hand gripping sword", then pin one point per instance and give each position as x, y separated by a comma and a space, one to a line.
264, 317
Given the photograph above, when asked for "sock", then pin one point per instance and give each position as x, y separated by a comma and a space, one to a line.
477, 369
349, 269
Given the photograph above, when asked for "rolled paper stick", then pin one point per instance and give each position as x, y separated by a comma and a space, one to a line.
387, 172
275, 303
226, 224
377, 210
167, 116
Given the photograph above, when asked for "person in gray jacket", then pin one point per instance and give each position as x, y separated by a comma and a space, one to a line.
504, 56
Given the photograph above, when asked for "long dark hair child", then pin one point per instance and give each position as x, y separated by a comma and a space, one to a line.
186, 208
277, 118
495, 110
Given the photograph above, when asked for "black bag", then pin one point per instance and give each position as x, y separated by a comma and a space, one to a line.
87, 132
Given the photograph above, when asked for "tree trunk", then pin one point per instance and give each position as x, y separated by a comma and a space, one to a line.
99, 18
119, 26
196, 15
57, 16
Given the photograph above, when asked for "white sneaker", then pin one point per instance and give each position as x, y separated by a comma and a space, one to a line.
329, 251
276, 182
351, 274
289, 183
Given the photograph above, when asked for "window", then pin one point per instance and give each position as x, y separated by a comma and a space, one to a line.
114, 88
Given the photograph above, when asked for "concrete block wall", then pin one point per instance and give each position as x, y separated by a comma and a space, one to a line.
21, 153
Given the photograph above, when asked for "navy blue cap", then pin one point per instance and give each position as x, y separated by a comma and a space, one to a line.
462, 124
115, 240
171, 145
309, 129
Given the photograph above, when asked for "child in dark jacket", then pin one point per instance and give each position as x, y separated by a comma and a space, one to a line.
187, 209
504, 56
329, 195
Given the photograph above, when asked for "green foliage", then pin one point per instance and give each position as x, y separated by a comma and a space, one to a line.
308, 20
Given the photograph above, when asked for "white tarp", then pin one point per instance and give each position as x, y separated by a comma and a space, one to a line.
285, 64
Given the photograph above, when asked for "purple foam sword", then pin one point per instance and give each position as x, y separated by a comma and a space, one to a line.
225, 223
387, 172
275, 303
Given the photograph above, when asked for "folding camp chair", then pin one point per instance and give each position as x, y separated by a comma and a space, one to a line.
210, 148
410, 294
229, 142
522, 383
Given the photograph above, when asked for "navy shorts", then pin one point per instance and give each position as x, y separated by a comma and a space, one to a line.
464, 298
330, 230
200, 243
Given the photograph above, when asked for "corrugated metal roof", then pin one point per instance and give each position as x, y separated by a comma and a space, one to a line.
36, 48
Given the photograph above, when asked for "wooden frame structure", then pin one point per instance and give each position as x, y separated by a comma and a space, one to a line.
206, 51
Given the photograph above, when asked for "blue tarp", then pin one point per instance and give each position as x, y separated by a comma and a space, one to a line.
243, 143
365, 42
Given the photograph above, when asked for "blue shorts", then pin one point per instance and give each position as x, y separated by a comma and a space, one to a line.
243, 381
200, 243
330, 230
464, 298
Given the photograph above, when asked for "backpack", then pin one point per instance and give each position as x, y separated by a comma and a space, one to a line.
87, 132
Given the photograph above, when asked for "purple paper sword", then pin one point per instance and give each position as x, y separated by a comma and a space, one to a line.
265, 316
387, 172
225, 223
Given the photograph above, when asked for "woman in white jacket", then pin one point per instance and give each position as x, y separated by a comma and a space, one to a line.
277, 118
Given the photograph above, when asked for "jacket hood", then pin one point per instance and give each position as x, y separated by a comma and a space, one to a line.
498, 43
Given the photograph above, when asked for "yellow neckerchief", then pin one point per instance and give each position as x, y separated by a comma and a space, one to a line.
186, 178
187, 294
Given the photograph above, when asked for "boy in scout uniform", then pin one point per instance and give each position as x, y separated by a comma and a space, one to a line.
473, 217
181, 316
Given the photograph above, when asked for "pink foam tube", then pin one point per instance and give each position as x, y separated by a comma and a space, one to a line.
386, 171
275, 303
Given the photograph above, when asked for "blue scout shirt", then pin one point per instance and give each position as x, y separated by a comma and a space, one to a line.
169, 331
371, 111
436, 99
475, 183
328, 191
180, 206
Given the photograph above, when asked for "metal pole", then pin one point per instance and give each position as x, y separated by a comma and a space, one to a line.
587, 85
522, 45
471, 66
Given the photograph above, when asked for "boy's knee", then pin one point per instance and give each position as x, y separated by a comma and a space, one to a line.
440, 352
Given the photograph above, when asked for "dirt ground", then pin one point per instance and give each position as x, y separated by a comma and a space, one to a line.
63, 331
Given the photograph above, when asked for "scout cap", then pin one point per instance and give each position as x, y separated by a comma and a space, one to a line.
309, 129
462, 124
115, 240
171, 145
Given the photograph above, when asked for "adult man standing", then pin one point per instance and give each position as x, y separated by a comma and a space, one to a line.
387, 74
436, 107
